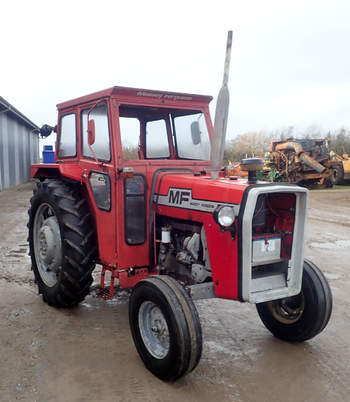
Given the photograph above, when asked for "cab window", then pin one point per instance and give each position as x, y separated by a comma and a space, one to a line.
186, 147
101, 146
130, 137
144, 132
157, 145
154, 132
135, 210
67, 146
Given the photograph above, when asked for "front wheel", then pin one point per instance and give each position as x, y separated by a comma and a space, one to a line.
165, 327
301, 317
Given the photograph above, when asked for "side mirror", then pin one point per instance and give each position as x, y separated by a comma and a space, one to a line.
46, 130
195, 133
91, 132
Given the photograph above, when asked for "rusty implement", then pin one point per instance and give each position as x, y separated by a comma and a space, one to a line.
305, 162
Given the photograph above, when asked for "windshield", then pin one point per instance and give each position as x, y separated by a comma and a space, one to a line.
185, 144
163, 133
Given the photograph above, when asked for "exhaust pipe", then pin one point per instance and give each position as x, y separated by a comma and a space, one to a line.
221, 115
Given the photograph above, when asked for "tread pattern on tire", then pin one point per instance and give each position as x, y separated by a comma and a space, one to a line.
328, 299
316, 313
192, 320
189, 335
78, 237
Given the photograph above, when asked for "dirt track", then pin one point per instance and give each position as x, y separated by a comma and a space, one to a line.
87, 354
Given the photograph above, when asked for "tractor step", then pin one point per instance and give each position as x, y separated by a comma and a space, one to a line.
107, 292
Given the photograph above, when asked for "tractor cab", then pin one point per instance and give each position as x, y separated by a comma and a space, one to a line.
134, 124
116, 142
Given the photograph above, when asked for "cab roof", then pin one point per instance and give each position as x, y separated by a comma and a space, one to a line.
139, 95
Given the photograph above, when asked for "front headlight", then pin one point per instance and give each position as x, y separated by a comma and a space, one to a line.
224, 216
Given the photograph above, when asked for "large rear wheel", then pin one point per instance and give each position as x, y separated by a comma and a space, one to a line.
301, 317
62, 243
165, 327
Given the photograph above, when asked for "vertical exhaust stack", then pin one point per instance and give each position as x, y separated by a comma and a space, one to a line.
221, 115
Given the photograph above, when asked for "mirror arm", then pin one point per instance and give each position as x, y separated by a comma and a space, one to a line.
93, 154
93, 107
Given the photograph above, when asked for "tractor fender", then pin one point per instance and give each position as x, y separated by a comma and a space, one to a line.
53, 170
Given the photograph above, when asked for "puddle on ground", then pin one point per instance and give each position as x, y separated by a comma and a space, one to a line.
338, 244
89, 306
332, 276
121, 297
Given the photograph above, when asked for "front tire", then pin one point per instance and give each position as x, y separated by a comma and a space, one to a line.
338, 174
165, 327
62, 243
301, 317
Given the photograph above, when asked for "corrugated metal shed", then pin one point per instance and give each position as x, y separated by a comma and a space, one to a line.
19, 146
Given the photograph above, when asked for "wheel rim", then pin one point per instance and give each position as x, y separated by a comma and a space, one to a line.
47, 244
154, 330
288, 310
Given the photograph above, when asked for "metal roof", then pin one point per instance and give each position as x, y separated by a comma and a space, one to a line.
6, 107
123, 92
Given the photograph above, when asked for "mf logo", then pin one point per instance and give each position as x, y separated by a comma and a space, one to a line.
179, 196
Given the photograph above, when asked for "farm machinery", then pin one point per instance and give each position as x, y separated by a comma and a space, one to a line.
301, 161
166, 222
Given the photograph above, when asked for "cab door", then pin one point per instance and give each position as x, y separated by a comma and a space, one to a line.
99, 175
131, 190
144, 134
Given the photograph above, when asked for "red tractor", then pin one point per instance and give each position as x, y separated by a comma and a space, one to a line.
137, 188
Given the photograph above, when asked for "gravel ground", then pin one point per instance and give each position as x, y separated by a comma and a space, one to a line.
87, 354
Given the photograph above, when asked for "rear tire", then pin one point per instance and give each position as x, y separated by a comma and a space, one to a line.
62, 243
165, 327
301, 317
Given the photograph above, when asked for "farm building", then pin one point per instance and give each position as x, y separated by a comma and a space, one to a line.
19, 146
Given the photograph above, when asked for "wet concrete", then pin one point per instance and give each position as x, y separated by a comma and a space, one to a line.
87, 354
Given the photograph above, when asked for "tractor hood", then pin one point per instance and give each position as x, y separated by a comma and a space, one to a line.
198, 193
263, 247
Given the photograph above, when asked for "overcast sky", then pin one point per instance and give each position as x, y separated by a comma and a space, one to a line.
290, 60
